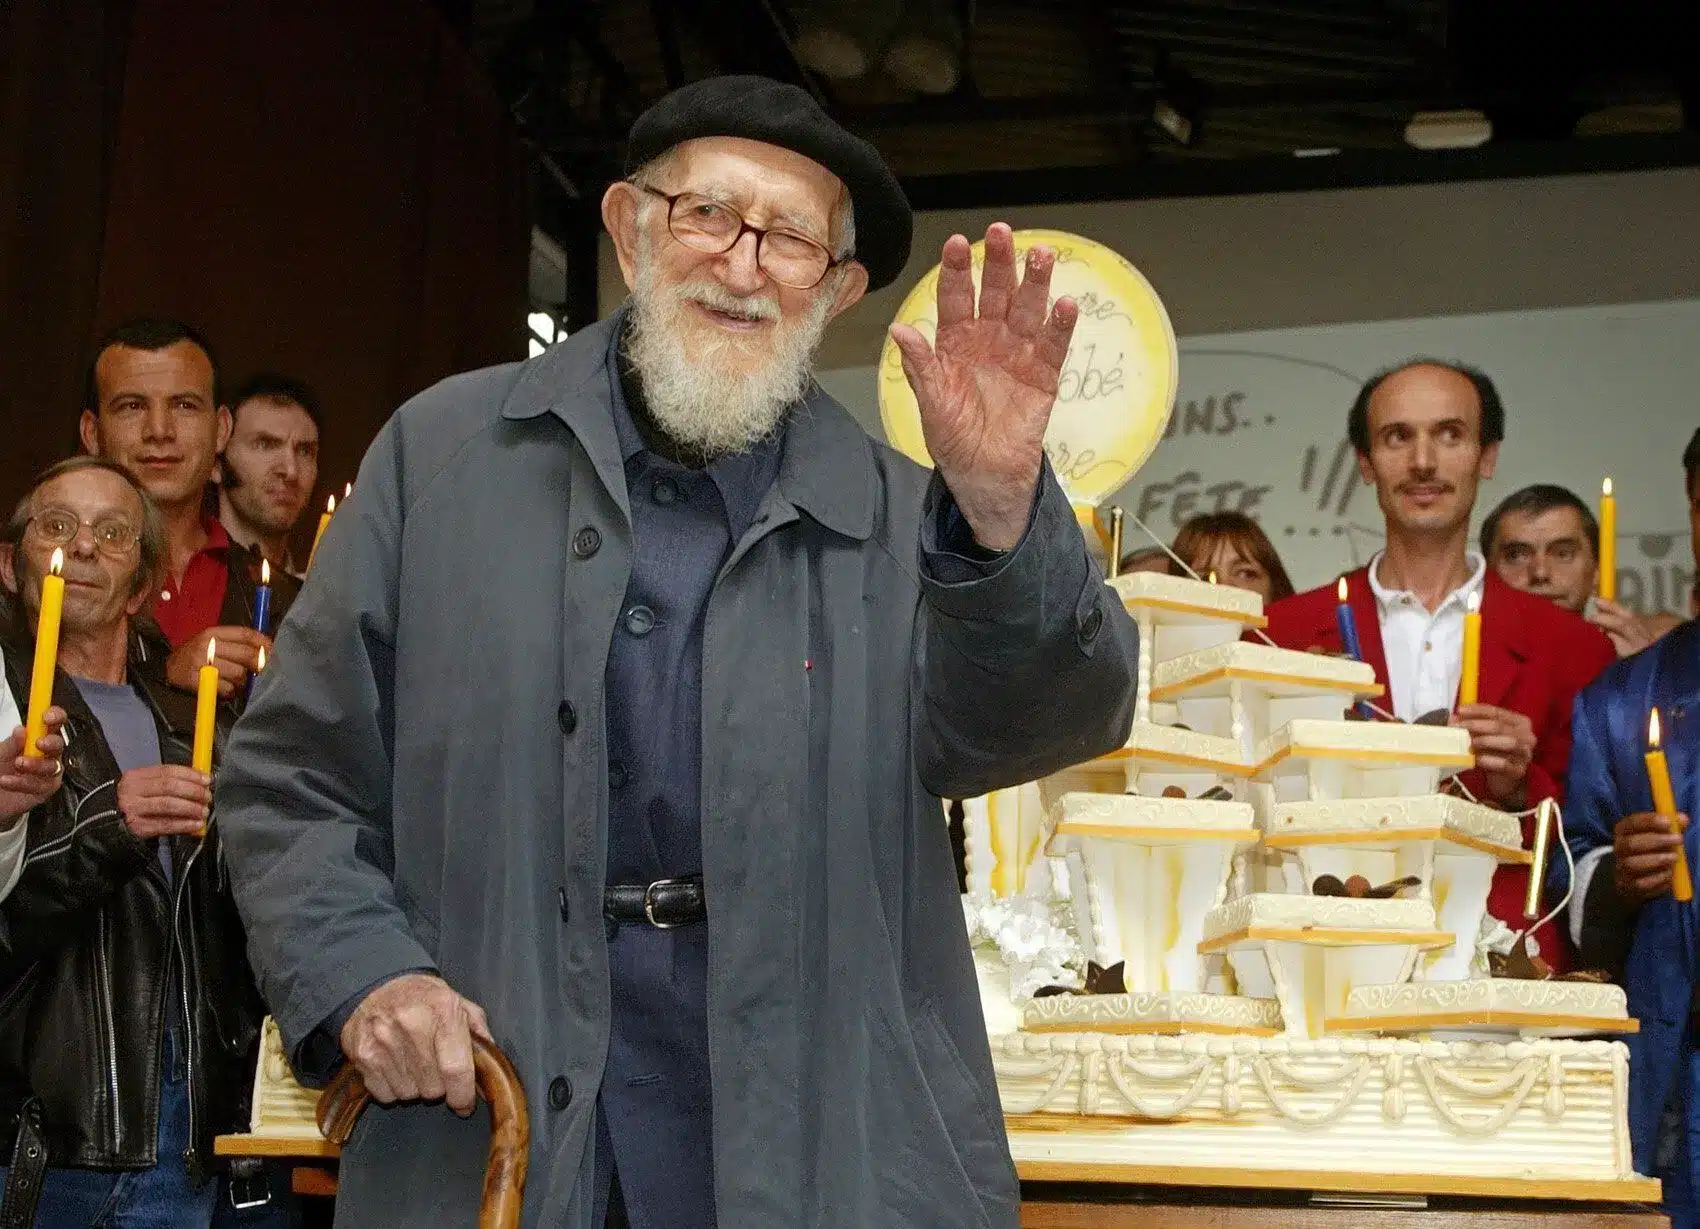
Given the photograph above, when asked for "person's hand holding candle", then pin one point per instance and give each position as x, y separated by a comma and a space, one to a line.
1503, 743
27, 781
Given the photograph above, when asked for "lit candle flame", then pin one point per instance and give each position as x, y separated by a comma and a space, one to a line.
265, 571
347, 489
262, 664
1653, 730
330, 505
1605, 488
1473, 603
212, 651
58, 565
1212, 575
1341, 590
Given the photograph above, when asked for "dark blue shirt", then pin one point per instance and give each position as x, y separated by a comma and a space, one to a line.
655, 1120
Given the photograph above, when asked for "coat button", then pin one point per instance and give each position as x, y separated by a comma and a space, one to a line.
567, 715
640, 621
617, 775
665, 492
560, 1093
561, 894
1091, 625
587, 541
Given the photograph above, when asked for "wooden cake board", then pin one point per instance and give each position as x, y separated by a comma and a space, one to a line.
1066, 1195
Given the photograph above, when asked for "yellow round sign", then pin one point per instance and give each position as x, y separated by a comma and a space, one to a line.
1118, 384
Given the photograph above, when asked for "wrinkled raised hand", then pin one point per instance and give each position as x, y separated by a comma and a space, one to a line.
986, 385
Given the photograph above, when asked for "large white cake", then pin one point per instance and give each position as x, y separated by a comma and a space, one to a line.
1273, 1024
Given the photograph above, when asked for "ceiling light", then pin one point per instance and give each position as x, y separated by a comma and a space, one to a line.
830, 52
926, 65
1172, 121
1448, 130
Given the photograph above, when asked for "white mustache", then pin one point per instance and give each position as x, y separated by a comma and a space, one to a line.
709, 294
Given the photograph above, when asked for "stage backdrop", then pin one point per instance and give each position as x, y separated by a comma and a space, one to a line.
328, 189
1260, 421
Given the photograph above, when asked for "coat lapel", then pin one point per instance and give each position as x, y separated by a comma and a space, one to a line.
1504, 649
1361, 598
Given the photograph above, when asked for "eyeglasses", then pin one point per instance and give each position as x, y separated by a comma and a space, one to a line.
113, 535
707, 225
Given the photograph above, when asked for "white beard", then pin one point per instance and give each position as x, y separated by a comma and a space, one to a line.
705, 397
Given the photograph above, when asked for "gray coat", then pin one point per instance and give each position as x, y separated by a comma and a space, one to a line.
421, 782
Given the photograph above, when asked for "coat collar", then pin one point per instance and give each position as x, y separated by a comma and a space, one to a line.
827, 470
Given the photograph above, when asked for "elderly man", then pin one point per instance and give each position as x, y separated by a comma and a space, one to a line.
614, 718
127, 1009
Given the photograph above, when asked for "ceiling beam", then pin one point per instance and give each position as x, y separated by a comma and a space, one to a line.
1156, 178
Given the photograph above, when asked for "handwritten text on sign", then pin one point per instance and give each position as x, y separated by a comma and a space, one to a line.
1116, 387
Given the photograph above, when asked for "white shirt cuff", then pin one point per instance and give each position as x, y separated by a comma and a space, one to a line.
12, 846
1585, 868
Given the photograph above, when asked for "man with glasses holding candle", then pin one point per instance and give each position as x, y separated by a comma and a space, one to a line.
1427, 433
152, 405
614, 723
1625, 914
127, 1012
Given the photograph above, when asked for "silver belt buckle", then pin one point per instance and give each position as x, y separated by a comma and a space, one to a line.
649, 903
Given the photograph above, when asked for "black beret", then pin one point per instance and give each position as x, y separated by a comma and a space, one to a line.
760, 109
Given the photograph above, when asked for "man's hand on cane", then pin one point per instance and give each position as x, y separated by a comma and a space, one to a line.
411, 1038
986, 385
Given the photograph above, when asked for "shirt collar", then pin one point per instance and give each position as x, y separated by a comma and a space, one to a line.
218, 538
1387, 598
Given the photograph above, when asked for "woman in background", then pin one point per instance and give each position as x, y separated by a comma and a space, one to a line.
1233, 546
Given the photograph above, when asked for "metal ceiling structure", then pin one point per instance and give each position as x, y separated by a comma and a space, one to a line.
1000, 102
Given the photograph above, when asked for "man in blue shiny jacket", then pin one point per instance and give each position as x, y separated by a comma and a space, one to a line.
1623, 915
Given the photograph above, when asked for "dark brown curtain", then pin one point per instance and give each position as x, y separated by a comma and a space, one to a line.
329, 189
61, 85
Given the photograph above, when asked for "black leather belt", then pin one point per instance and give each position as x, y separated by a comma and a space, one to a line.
664, 904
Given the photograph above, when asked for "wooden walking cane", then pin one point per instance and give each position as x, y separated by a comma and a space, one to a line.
510, 1128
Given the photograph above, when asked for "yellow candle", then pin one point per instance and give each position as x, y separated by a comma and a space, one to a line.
46, 654
1664, 802
1469, 683
206, 712
1608, 542
324, 524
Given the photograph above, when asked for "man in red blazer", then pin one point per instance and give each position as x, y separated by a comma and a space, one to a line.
1426, 434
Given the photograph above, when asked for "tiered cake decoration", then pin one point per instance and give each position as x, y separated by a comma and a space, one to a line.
1282, 923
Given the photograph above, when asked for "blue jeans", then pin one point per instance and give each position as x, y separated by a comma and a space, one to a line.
157, 1198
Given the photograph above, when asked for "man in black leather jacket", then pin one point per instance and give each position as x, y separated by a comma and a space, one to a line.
128, 1015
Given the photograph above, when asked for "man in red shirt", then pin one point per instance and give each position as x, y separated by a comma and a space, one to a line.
152, 406
1426, 434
